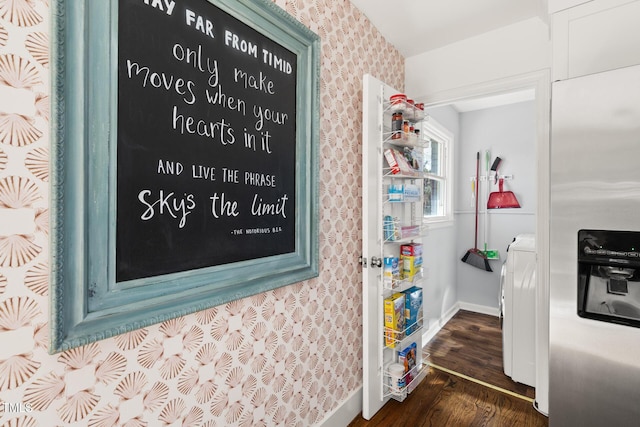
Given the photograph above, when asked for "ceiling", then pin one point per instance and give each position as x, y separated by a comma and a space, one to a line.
416, 26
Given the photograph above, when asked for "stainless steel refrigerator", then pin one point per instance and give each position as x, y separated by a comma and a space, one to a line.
594, 347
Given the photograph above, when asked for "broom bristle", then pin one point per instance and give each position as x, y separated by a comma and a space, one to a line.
475, 258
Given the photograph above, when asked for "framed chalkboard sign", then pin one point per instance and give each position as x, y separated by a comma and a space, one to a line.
184, 166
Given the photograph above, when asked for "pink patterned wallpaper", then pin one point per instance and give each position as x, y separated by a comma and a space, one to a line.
286, 357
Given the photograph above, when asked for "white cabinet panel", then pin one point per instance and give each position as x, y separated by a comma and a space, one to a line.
596, 36
554, 6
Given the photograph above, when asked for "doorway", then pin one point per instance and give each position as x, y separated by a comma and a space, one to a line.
447, 272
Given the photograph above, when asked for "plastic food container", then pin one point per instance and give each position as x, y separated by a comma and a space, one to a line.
419, 112
398, 101
396, 377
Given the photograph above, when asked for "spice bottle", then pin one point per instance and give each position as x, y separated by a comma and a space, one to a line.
396, 125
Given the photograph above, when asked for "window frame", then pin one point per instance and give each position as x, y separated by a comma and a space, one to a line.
432, 129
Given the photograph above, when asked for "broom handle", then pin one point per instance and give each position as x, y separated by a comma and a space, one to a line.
487, 157
475, 245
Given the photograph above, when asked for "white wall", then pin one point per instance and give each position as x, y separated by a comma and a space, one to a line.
513, 50
440, 290
510, 133
492, 62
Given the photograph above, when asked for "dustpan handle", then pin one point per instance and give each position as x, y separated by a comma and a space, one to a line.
501, 185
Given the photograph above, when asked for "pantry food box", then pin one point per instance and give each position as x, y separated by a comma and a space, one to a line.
394, 319
412, 309
411, 256
390, 156
391, 271
408, 357
398, 163
411, 193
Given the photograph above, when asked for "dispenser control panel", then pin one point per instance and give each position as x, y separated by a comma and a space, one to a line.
609, 276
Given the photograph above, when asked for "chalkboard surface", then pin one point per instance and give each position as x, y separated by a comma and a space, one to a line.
206, 143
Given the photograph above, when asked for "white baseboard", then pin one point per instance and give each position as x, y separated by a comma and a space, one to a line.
345, 413
436, 326
482, 309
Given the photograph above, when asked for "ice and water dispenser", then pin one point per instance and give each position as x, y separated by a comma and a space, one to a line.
609, 276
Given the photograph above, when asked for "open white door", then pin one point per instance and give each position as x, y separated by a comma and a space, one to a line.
372, 314
382, 346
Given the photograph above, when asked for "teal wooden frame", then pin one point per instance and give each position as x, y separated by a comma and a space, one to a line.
86, 303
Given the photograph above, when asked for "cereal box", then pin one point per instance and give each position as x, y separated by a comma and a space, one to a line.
412, 309
394, 319
407, 357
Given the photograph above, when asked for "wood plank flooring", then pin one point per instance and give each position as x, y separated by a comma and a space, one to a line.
470, 344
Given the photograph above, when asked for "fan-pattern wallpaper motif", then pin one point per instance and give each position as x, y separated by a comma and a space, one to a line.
288, 357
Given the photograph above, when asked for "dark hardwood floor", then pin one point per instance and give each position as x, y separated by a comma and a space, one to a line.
465, 385
471, 344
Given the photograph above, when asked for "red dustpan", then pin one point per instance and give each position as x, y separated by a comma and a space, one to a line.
502, 199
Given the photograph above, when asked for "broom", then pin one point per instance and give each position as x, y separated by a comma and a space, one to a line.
474, 256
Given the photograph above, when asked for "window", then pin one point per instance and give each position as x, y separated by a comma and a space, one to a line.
437, 202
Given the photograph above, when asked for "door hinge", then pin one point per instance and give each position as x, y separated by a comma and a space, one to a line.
362, 261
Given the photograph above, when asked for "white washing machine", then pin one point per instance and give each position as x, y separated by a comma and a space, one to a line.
518, 310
